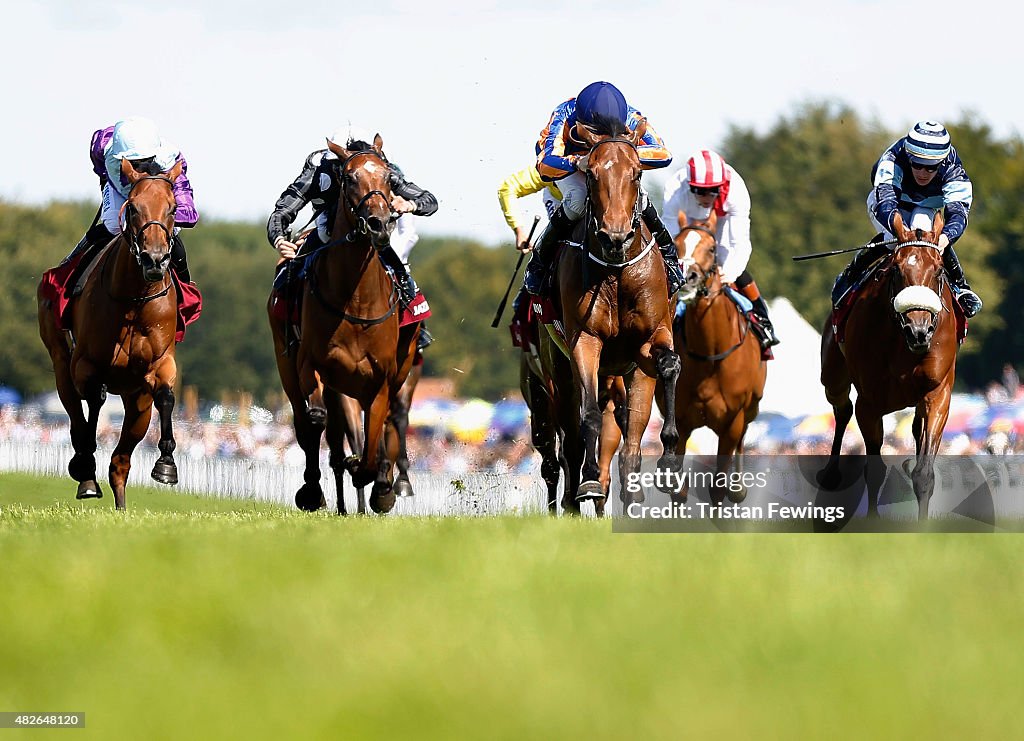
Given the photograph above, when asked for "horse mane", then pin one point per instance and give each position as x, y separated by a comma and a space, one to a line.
147, 166
607, 126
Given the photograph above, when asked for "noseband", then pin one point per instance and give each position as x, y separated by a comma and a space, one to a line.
362, 226
706, 275
134, 235
901, 317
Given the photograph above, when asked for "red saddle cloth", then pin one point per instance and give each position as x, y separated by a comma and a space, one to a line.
56, 287
524, 327
840, 314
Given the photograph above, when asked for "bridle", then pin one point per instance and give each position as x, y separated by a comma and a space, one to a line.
135, 235
704, 291
362, 227
591, 218
901, 318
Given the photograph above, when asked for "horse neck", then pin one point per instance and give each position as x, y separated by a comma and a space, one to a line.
124, 277
354, 270
712, 323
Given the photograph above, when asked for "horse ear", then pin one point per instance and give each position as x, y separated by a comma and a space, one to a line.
130, 173
175, 171
683, 221
639, 132
337, 149
937, 223
378, 144
587, 136
900, 230
713, 220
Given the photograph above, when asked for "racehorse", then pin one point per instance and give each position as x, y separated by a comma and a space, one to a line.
900, 350
620, 319
350, 336
123, 325
723, 375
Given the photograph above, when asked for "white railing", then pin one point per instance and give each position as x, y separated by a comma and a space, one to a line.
471, 494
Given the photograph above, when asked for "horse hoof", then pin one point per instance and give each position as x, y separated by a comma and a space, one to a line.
590, 490
89, 490
382, 499
828, 479
403, 488
82, 468
165, 472
310, 498
737, 496
318, 417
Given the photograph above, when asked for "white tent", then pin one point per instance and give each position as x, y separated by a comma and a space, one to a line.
793, 388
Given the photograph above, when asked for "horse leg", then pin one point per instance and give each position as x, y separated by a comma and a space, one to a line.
612, 399
870, 422
730, 441
542, 430
375, 465
82, 467
586, 356
835, 377
164, 470
641, 396
929, 421
667, 367
335, 433
354, 437
396, 447
138, 409
679, 495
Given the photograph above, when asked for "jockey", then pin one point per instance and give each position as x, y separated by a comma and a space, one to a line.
318, 183
917, 176
560, 155
137, 140
708, 182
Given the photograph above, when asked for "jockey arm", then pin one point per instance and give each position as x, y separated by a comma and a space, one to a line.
553, 160
734, 232
517, 185
424, 200
957, 194
651, 149
186, 215
293, 199
887, 180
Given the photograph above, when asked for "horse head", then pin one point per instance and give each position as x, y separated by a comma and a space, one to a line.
365, 199
613, 186
697, 245
917, 282
148, 216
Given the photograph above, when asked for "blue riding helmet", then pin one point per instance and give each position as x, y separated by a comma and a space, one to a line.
601, 101
927, 143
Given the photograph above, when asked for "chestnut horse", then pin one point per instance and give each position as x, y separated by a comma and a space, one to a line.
723, 375
123, 324
619, 319
351, 338
900, 350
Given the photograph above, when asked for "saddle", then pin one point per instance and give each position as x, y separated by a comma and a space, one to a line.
745, 307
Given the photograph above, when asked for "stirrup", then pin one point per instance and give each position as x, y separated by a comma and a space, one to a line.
969, 301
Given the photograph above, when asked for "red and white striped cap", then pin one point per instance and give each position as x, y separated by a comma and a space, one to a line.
707, 169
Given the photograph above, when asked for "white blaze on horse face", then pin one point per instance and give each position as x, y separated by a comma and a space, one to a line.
912, 260
370, 167
690, 242
608, 165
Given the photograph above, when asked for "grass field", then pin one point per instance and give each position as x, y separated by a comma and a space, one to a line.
199, 618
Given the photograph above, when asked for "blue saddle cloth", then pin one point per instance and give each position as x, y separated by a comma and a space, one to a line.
742, 302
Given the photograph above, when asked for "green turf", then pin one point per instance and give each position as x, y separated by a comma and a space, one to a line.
267, 623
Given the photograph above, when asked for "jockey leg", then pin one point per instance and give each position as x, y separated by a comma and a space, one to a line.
406, 285
746, 285
969, 301
665, 244
852, 272
179, 261
90, 244
559, 227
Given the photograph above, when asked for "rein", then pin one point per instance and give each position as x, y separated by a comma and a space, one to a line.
591, 219
132, 236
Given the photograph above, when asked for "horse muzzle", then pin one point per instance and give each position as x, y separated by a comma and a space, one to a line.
918, 330
154, 270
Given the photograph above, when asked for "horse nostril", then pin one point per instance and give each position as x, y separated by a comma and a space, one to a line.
375, 224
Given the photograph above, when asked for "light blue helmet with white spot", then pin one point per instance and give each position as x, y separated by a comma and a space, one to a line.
927, 143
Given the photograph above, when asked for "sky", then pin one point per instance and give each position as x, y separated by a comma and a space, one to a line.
459, 92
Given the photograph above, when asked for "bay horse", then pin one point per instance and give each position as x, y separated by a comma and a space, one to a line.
123, 325
350, 336
900, 350
615, 306
723, 375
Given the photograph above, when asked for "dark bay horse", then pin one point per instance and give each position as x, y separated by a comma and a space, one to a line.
351, 338
899, 351
123, 324
723, 375
619, 319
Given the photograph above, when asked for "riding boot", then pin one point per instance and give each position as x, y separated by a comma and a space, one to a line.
852, 272
425, 339
969, 301
559, 227
666, 245
403, 279
761, 311
179, 261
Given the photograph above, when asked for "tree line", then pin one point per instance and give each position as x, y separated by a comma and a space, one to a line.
808, 175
